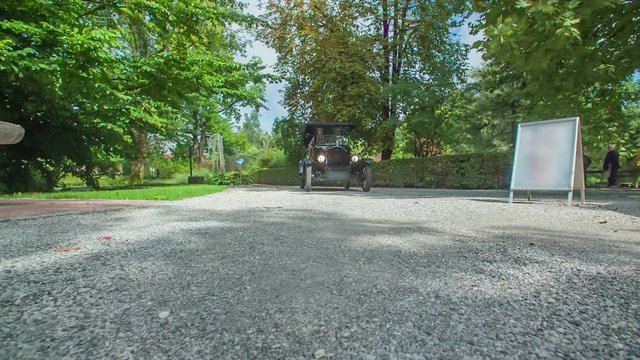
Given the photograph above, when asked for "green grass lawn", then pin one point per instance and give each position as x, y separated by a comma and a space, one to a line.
177, 192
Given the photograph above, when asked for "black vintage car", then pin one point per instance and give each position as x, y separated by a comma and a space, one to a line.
329, 159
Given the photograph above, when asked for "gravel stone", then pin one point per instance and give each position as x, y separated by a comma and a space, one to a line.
163, 314
277, 273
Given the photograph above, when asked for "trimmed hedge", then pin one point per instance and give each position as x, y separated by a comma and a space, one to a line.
472, 171
280, 176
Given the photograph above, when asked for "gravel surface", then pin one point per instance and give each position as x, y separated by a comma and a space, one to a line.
273, 272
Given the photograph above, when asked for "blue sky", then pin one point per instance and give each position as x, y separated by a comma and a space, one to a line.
269, 57
273, 93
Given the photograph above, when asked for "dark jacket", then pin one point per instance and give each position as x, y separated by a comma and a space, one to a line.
611, 160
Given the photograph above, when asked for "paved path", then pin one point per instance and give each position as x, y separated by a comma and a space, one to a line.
276, 273
10, 208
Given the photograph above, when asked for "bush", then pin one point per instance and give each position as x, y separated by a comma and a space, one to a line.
70, 180
472, 171
3, 188
20, 178
116, 181
170, 167
228, 178
272, 159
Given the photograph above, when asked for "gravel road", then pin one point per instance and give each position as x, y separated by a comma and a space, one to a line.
276, 273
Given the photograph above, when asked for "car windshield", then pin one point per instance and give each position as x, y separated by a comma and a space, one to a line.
336, 140
337, 136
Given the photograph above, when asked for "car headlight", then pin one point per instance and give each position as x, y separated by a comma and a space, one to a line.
321, 158
355, 158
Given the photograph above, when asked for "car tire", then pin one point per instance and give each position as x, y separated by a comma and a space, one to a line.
347, 184
307, 178
367, 179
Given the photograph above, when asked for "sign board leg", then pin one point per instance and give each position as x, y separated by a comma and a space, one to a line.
570, 198
580, 170
510, 197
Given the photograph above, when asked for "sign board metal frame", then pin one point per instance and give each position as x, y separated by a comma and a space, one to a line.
577, 179
215, 149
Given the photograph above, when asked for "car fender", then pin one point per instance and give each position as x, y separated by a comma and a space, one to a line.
356, 168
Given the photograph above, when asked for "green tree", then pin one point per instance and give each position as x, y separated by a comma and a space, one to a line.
91, 81
287, 135
252, 130
51, 63
349, 61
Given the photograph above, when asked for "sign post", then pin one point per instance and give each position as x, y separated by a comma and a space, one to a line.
240, 163
548, 157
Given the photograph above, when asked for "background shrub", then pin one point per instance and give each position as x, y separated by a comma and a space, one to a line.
229, 178
271, 159
168, 168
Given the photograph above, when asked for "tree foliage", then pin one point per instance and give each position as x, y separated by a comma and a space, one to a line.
92, 81
252, 130
565, 58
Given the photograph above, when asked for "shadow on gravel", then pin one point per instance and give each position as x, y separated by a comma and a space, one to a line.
277, 283
381, 192
626, 202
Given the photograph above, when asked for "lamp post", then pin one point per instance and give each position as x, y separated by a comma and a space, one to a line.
193, 179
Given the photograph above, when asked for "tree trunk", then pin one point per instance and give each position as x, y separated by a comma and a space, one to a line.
137, 172
90, 178
387, 141
386, 153
202, 146
394, 26
199, 137
138, 163
141, 45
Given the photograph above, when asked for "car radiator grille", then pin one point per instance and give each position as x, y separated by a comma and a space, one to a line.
338, 159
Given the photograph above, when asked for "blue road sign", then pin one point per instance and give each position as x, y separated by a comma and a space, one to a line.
240, 161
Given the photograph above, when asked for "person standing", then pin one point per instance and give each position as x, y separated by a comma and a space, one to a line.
586, 161
612, 165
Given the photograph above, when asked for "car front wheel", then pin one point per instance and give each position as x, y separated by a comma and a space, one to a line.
367, 179
307, 178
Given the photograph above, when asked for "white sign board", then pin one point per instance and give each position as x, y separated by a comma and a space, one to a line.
548, 156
